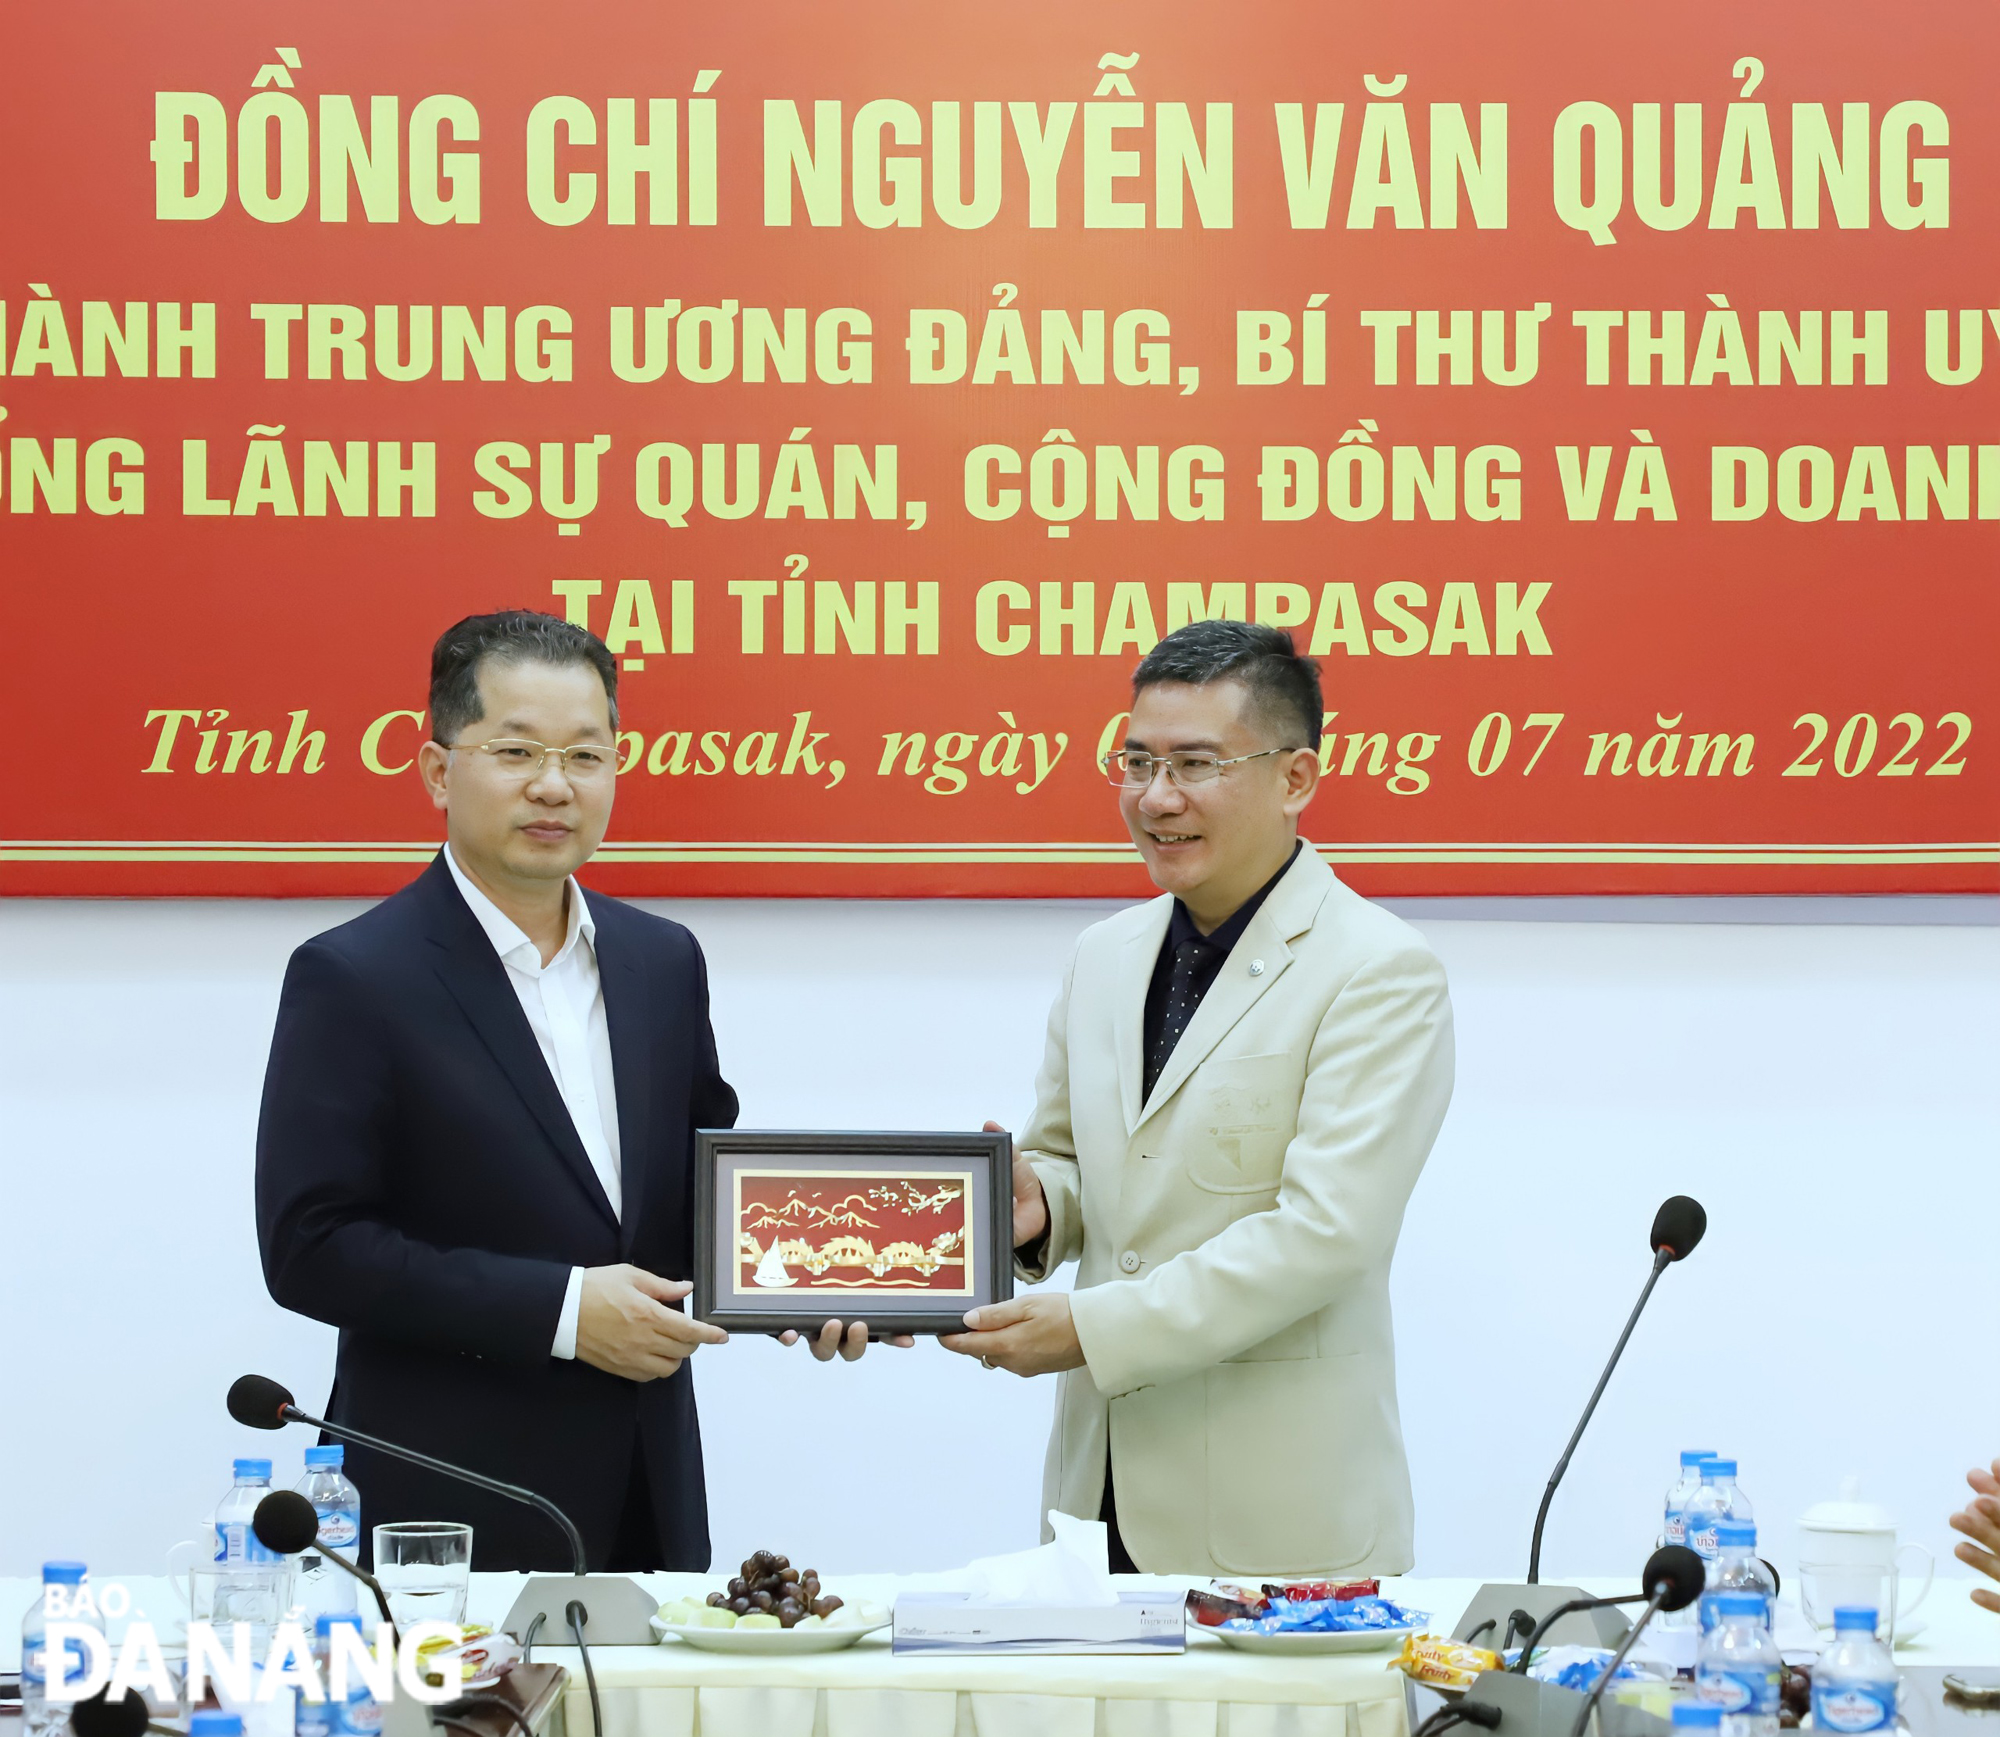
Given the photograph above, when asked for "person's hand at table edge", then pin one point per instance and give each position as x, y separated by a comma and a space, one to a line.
626, 1327
1031, 1205
850, 1342
1025, 1336
1979, 1520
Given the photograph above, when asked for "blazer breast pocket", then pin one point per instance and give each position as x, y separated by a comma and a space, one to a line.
1241, 1116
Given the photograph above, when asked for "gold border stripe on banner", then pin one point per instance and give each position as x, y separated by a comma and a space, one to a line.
1002, 853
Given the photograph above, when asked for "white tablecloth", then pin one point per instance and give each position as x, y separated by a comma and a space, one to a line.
675, 1691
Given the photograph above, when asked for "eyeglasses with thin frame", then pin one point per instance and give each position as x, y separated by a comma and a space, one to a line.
522, 761
1129, 769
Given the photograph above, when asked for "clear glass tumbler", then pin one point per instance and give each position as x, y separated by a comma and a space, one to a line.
425, 1566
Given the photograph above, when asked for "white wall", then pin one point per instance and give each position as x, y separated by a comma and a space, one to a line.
1821, 1075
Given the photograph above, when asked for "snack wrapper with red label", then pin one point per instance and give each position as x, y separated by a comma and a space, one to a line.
1444, 1664
1225, 1603
481, 1657
1303, 1591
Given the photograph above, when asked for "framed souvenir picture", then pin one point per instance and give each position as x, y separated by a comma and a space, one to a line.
903, 1231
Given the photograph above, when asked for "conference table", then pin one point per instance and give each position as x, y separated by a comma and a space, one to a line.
674, 1690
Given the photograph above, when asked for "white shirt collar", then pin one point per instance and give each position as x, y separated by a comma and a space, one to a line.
508, 937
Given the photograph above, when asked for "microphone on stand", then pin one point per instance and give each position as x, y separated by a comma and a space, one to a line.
1676, 1577
258, 1402
285, 1522
1519, 1706
625, 1608
1524, 1607
1677, 1227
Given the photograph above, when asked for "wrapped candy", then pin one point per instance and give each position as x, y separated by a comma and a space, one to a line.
1329, 1616
1444, 1664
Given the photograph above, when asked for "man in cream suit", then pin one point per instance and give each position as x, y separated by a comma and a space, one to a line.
1243, 1079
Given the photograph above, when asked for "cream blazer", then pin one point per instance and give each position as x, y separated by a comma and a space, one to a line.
1233, 1233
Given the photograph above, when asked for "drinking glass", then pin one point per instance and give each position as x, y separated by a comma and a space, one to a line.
425, 1566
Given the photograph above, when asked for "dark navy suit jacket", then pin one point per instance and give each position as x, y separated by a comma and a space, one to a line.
421, 1187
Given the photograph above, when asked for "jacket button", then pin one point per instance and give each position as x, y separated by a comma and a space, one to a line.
1129, 1261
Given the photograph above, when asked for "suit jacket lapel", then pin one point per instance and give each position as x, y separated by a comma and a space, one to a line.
472, 972
1289, 911
1142, 951
625, 1013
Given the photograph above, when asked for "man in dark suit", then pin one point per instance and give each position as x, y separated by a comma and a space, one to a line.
475, 1152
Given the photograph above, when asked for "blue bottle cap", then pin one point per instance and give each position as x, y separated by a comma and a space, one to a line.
1696, 1456
213, 1722
335, 1456
333, 1619
1849, 1616
1717, 1468
1702, 1715
1740, 1534
63, 1573
253, 1469
1739, 1604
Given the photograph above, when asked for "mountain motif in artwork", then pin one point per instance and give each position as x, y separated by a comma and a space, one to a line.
853, 1231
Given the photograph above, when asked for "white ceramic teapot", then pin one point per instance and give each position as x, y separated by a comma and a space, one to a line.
1848, 1555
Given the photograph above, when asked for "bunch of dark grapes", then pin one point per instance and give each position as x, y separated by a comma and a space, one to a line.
770, 1583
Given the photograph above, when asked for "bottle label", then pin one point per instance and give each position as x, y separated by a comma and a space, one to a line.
1704, 1543
35, 1664
236, 1542
1677, 1526
1741, 1689
1857, 1707
339, 1528
360, 1717
1709, 1618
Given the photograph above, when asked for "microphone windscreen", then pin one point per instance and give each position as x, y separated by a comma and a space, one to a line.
285, 1522
1679, 1569
258, 1402
100, 1716
1677, 1227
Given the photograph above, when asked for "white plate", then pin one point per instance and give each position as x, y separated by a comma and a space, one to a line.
1361, 1640
769, 1642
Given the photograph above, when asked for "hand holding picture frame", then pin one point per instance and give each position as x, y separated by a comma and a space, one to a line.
905, 1231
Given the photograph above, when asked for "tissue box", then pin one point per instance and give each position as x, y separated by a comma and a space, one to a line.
1151, 1621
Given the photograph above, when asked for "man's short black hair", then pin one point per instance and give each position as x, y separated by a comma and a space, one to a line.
507, 636
1284, 686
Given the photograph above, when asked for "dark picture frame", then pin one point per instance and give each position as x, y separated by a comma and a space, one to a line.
787, 1223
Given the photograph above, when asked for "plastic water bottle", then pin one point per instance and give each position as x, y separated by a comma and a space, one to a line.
1737, 1569
357, 1713
1717, 1499
1692, 1460
235, 1540
1738, 1669
1855, 1681
1722, 1474
323, 1588
38, 1713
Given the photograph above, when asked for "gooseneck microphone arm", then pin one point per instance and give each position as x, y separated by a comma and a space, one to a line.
1654, 1606
1555, 1616
265, 1404
1677, 1227
1660, 1261
285, 1522
1676, 1576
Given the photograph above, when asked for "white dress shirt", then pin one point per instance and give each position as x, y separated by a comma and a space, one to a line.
564, 1002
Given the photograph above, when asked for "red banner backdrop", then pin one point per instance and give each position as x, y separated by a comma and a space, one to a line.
1604, 393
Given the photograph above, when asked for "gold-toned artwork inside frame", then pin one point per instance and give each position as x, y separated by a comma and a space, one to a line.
852, 1230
